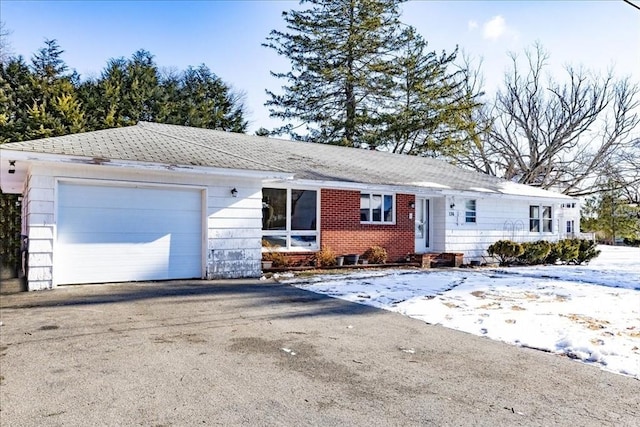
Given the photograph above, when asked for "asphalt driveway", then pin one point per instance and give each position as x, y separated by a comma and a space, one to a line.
263, 353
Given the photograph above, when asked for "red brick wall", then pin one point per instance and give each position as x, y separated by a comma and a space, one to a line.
342, 231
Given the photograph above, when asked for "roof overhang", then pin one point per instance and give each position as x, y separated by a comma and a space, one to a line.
13, 173
14, 168
427, 190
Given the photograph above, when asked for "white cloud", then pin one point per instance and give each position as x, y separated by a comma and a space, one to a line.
472, 25
494, 28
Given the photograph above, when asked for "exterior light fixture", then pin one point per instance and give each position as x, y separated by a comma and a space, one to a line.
452, 205
412, 205
12, 166
234, 192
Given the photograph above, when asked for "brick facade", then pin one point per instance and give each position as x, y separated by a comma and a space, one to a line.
342, 231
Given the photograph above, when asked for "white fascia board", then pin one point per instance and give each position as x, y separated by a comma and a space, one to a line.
28, 156
506, 196
359, 186
428, 192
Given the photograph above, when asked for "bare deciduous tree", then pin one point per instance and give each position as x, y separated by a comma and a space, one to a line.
5, 46
567, 136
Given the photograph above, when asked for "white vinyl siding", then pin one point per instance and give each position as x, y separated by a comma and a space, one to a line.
497, 219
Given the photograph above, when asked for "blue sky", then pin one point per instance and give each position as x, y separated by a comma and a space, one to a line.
227, 35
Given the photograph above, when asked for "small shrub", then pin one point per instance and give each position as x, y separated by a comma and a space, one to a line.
376, 255
506, 251
568, 250
554, 253
535, 252
278, 259
587, 251
573, 251
325, 257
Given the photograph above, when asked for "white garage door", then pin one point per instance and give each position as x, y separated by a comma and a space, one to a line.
118, 233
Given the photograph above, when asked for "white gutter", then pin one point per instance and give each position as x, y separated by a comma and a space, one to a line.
425, 191
28, 156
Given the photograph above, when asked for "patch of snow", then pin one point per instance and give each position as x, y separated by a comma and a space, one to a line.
589, 313
428, 184
514, 188
481, 190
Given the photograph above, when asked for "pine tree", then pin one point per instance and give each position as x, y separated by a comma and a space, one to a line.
55, 108
105, 96
15, 99
134, 90
341, 54
428, 112
199, 98
141, 88
611, 216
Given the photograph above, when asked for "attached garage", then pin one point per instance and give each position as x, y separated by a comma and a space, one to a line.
115, 233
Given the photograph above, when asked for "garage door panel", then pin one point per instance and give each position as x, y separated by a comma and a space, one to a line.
143, 262
102, 197
140, 239
111, 234
127, 221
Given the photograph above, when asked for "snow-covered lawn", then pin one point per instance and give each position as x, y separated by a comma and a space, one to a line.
590, 313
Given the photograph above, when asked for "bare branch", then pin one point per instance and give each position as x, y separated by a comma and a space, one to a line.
563, 135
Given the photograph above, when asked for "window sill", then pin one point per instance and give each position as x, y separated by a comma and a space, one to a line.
291, 250
376, 223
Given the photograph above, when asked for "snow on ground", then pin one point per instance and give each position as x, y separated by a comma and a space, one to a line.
589, 313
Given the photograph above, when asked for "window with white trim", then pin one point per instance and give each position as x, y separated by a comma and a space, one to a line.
289, 219
377, 208
470, 212
540, 219
571, 226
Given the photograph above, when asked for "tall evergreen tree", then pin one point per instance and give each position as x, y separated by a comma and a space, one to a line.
361, 78
135, 90
428, 112
341, 54
141, 88
47, 63
55, 108
106, 95
15, 99
611, 216
199, 98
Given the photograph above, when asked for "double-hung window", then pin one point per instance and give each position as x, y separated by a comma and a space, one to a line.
377, 208
470, 212
289, 218
540, 219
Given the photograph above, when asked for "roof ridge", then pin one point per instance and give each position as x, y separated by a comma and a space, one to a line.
188, 141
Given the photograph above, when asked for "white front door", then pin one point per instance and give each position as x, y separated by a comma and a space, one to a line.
423, 228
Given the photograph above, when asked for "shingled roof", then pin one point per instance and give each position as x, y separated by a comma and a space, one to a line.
187, 146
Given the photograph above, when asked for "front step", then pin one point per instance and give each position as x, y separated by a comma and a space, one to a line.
437, 259
11, 286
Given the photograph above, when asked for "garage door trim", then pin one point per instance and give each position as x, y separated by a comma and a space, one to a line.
198, 195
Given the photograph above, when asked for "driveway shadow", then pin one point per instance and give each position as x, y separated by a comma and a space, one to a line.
241, 293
